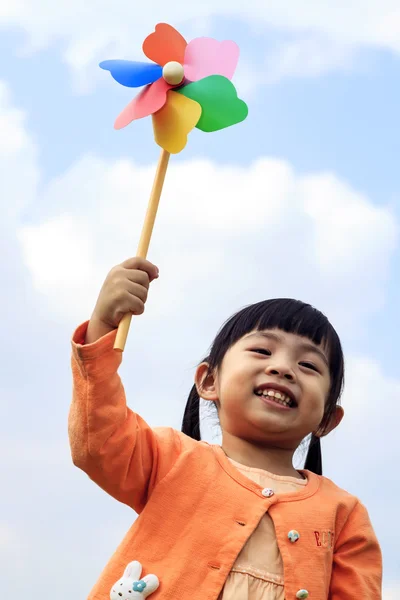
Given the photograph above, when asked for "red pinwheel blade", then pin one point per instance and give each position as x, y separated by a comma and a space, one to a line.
149, 101
164, 45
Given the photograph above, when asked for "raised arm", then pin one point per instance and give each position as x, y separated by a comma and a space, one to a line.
111, 443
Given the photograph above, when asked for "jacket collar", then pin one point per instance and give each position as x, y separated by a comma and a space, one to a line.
312, 486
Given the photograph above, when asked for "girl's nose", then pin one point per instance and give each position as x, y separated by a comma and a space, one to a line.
280, 371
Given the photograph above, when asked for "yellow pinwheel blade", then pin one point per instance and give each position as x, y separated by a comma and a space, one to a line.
174, 121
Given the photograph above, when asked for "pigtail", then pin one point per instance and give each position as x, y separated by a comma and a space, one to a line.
191, 416
314, 456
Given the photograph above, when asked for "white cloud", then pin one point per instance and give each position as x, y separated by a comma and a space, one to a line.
10, 540
372, 409
313, 229
19, 174
13, 135
308, 56
349, 229
91, 31
392, 593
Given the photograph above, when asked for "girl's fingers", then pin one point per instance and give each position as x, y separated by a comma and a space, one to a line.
137, 290
133, 304
141, 264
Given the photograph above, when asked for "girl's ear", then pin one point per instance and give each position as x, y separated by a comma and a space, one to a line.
334, 421
205, 383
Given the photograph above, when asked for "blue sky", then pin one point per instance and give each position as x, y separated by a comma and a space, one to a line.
342, 122
318, 123
325, 136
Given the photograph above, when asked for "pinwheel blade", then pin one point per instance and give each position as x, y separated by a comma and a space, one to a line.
149, 101
165, 45
132, 74
175, 121
206, 56
219, 102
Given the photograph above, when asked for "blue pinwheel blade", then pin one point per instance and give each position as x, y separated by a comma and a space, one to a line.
132, 74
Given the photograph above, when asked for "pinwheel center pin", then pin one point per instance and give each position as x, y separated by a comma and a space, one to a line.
187, 85
173, 72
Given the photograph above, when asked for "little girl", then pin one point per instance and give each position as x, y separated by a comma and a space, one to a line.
236, 521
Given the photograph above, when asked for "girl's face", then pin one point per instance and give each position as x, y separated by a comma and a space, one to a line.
290, 369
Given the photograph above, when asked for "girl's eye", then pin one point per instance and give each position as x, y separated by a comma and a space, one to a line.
309, 366
262, 351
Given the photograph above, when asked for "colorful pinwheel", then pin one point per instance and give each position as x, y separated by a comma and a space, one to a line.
187, 85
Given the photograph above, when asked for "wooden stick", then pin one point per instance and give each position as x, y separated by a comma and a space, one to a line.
123, 327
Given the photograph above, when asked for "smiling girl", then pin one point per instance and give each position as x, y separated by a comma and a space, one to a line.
234, 521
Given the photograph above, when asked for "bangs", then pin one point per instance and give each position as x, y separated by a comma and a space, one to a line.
288, 315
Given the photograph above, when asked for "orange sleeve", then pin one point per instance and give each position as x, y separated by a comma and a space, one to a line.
357, 560
113, 445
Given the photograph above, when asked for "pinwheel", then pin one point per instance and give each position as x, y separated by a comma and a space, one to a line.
186, 86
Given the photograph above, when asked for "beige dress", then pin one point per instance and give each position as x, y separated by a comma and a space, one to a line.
258, 571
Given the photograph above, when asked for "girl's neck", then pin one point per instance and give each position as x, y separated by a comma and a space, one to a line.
274, 460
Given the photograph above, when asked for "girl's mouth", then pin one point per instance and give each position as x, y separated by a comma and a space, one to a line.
275, 398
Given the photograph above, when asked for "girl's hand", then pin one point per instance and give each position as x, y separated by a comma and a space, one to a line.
124, 291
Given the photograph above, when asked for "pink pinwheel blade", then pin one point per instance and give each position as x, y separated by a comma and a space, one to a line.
149, 101
206, 56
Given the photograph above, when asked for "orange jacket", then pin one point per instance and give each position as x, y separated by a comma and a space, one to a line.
196, 511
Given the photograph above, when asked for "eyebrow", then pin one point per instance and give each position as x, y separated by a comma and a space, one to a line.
305, 346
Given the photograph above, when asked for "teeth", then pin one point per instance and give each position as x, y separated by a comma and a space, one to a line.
277, 396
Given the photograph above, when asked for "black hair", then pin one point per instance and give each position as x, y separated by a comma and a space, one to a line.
291, 316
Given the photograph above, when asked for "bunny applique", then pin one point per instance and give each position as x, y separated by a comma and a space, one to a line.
131, 586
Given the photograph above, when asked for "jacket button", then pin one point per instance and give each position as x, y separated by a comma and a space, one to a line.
293, 535
302, 594
267, 492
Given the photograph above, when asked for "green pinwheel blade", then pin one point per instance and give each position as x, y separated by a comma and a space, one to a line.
218, 99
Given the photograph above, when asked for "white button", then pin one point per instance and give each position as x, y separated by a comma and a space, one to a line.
267, 492
302, 594
293, 536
